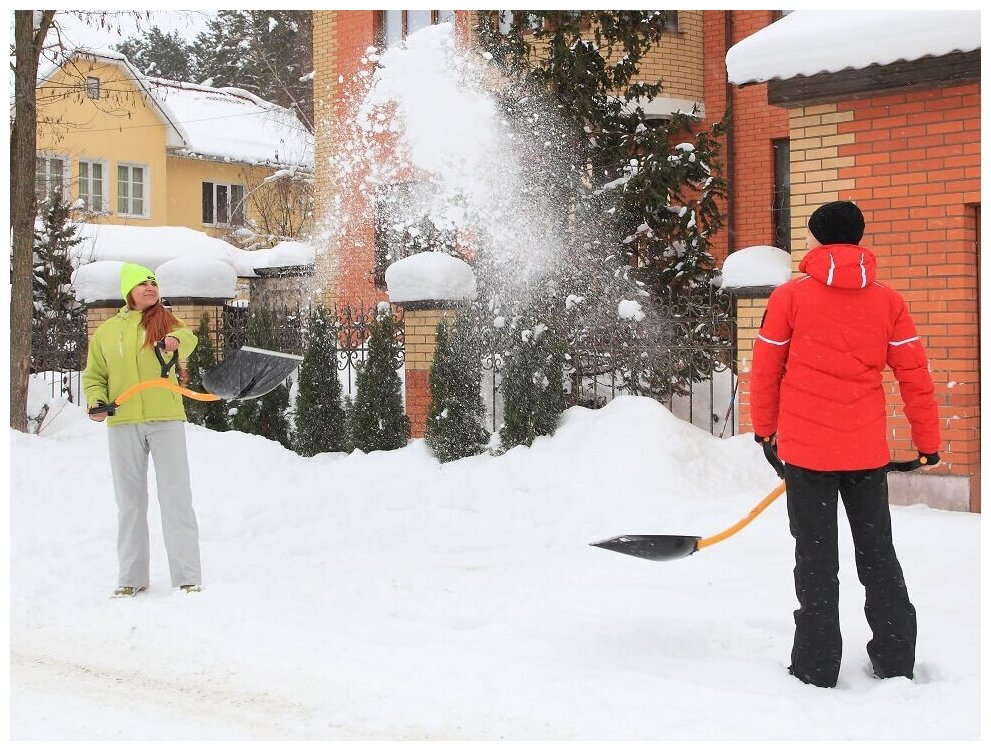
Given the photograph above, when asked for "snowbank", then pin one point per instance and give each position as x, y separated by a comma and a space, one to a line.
384, 596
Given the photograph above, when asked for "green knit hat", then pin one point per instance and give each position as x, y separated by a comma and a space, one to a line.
131, 275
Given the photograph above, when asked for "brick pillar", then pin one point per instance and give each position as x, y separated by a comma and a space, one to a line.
420, 323
750, 303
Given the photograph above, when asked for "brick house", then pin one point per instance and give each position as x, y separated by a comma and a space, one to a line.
768, 163
894, 125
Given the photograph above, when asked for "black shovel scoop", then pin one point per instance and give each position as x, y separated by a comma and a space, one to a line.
671, 547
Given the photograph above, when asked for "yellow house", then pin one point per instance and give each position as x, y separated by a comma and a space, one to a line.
126, 148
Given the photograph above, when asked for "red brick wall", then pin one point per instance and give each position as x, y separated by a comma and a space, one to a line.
755, 124
917, 179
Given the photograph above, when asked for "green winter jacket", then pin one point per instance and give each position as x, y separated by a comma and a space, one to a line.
118, 359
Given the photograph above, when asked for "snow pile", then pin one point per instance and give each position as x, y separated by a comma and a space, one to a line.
196, 277
806, 42
285, 253
430, 276
153, 246
757, 266
106, 247
384, 596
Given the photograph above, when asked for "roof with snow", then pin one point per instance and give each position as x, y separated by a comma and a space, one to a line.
229, 124
807, 42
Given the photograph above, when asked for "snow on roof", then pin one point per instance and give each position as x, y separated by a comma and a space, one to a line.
807, 42
221, 123
430, 276
758, 266
154, 246
234, 124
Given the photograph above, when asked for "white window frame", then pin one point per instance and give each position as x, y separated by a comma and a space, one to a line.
145, 198
105, 190
92, 87
232, 220
48, 156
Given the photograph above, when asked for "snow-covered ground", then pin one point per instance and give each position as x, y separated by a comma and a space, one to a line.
384, 596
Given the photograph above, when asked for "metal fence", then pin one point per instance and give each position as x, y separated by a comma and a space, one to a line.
691, 370
58, 354
289, 326
698, 358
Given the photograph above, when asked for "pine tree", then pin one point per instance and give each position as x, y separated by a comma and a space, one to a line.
54, 239
532, 383
162, 55
319, 415
267, 415
56, 313
377, 420
266, 52
456, 414
212, 415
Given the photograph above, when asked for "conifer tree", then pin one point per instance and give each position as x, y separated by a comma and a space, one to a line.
456, 414
532, 383
54, 239
377, 419
212, 415
267, 415
319, 415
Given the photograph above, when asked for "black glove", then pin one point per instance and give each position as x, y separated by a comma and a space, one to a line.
764, 439
929, 460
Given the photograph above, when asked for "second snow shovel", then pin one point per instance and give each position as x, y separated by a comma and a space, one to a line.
246, 373
671, 547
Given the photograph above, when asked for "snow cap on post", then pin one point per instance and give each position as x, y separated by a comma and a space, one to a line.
431, 275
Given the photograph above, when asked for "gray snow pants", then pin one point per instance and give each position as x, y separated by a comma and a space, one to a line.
129, 449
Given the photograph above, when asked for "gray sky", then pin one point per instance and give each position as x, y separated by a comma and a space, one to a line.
118, 25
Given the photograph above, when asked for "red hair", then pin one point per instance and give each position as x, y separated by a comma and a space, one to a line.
158, 322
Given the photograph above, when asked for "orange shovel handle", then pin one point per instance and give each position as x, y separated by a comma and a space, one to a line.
162, 383
768, 500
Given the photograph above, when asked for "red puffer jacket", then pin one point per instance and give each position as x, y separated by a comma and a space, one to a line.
816, 377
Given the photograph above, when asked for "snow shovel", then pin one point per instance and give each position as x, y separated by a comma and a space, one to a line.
246, 374
671, 547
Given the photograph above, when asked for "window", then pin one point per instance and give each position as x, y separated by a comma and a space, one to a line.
671, 21
49, 177
92, 87
132, 198
91, 185
223, 204
781, 207
396, 25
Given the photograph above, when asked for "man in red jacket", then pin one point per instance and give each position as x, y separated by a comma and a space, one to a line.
816, 391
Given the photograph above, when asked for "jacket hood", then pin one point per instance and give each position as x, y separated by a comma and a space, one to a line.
842, 266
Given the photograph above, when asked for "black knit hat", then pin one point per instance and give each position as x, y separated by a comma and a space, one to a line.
837, 222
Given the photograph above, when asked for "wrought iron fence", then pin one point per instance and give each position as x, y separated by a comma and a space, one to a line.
691, 369
58, 353
289, 325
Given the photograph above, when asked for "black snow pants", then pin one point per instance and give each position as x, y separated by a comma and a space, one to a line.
818, 646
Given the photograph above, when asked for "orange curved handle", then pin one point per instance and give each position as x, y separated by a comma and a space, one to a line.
768, 500
163, 383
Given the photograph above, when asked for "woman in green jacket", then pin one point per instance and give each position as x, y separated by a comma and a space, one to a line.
121, 354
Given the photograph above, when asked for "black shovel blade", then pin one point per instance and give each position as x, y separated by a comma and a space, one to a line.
248, 373
652, 547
